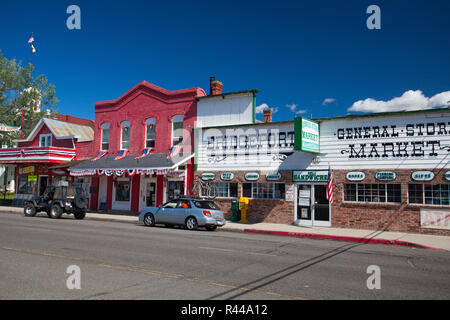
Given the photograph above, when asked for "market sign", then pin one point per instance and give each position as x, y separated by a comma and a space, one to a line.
251, 176
306, 135
355, 176
447, 176
422, 176
32, 178
26, 170
273, 176
208, 176
385, 176
227, 176
310, 175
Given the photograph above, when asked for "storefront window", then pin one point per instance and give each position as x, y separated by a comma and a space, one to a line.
122, 191
224, 189
25, 186
378, 193
273, 191
437, 194
175, 189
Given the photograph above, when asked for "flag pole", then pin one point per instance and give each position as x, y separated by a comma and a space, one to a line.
21, 126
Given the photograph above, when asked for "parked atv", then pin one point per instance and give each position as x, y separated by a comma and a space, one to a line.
56, 200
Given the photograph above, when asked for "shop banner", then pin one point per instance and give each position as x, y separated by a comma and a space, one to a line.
435, 218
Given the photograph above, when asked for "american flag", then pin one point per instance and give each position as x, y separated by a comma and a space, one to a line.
175, 150
145, 152
121, 154
99, 155
330, 186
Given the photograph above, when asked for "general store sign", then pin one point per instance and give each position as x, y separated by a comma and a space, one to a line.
310, 176
306, 135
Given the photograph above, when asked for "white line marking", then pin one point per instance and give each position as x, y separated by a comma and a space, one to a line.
229, 250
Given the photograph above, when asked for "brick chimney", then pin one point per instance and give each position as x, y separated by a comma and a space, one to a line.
215, 87
267, 115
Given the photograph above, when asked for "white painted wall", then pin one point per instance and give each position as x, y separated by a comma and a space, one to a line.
225, 110
335, 147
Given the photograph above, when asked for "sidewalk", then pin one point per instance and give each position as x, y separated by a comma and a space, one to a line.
339, 234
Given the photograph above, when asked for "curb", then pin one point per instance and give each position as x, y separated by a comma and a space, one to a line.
286, 234
339, 238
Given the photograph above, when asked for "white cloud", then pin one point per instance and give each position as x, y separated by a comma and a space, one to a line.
328, 100
261, 107
410, 100
293, 108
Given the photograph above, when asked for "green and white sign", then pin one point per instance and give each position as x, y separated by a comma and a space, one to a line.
447, 176
273, 176
306, 135
251, 176
208, 176
355, 176
385, 176
227, 176
310, 175
422, 176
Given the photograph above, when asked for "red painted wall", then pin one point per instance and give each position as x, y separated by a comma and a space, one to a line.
140, 103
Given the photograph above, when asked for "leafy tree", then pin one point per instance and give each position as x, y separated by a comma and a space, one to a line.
20, 90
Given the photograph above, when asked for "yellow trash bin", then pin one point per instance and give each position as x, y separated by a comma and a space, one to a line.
243, 207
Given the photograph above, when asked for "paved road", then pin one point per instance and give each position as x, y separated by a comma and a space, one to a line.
127, 261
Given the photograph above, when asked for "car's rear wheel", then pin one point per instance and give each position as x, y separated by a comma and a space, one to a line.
55, 211
29, 210
191, 223
149, 220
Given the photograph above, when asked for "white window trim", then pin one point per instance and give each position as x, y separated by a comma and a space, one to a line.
147, 123
124, 124
172, 122
46, 136
273, 191
105, 126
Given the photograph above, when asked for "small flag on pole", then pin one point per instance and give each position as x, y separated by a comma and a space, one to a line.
33, 50
121, 154
145, 152
330, 186
99, 155
31, 40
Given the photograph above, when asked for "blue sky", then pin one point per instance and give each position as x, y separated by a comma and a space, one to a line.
297, 53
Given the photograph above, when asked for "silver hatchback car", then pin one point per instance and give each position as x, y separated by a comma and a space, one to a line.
189, 212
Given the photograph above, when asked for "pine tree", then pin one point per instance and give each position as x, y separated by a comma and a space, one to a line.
19, 90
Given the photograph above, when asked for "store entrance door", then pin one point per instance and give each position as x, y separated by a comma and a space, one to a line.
312, 208
150, 195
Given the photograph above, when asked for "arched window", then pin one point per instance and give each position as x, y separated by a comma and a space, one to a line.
177, 129
150, 125
105, 137
125, 135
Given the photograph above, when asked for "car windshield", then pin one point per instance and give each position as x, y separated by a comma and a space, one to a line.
205, 204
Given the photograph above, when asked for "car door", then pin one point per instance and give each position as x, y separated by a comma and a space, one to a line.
181, 211
166, 212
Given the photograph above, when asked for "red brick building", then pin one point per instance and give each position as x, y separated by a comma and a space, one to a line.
135, 135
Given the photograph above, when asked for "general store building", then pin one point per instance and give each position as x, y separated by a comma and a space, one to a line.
391, 170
